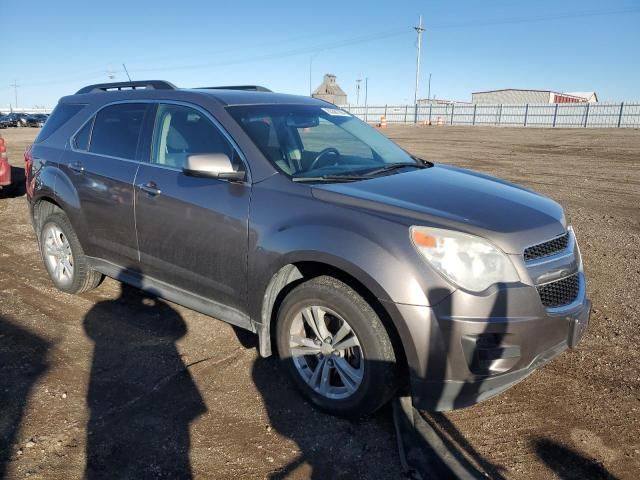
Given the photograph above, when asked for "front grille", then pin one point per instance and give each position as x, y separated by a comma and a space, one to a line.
561, 292
547, 248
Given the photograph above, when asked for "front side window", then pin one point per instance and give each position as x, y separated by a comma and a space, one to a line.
116, 130
182, 131
313, 141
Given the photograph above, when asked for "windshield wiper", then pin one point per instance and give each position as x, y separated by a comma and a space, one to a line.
331, 178
394, 166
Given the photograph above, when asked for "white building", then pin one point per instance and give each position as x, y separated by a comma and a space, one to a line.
518, 96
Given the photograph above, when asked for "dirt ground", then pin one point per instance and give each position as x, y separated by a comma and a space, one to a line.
81, 376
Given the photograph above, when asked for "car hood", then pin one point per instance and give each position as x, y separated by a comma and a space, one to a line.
510, 216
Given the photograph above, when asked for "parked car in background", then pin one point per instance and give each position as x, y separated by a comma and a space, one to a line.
11, 120
15, 119
36, 120
3, 122
367, 267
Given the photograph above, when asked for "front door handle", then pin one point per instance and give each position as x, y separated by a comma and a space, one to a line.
76, 167
150, 188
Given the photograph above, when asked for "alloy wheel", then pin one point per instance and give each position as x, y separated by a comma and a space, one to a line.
57, 254
326, 352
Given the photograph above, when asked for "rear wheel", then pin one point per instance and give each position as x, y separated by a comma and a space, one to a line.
63, 256
336, 348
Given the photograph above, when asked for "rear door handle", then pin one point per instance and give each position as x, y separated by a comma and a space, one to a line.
150, 188
76, 167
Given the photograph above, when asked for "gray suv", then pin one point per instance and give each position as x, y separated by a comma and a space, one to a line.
368, 269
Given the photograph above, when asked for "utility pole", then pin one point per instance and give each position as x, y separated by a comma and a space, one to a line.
366, 98
366, 90
418, 29
15, 90
358, 91
310, 67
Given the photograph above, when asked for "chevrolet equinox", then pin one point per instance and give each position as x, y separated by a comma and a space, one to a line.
366, 268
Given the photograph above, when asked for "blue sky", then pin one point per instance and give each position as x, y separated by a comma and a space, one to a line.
53, 48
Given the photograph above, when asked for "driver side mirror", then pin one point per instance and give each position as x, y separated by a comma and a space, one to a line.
212, 165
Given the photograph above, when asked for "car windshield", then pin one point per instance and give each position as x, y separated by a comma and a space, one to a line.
319, 142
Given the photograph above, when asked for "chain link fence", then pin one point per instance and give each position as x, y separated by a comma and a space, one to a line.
555, 115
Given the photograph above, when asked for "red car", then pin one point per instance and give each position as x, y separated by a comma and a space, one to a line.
5, 168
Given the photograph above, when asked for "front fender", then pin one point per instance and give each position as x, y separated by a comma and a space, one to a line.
383, 283
382, 273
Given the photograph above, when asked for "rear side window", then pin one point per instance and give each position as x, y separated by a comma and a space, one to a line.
60, 115
116, 130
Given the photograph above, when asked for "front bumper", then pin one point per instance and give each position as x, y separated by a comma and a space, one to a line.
468, 348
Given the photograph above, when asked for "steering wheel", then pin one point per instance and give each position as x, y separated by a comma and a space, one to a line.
324, 152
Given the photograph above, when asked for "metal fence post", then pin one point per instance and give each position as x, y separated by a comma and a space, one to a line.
499, 114
526, 114
586, 116
475, 105
555, 115
385, 110
620, 114
453, 105
415, 113
430, 108
406, 107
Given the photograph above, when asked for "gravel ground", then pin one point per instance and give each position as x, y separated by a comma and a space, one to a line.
95, 385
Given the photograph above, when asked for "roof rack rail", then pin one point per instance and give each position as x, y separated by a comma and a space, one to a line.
140, 84
252, 88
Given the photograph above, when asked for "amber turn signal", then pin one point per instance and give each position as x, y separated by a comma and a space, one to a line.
422, 239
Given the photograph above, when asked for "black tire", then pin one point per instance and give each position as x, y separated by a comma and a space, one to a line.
83, 277
379, 380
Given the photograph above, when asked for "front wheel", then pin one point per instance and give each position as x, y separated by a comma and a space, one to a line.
336, 348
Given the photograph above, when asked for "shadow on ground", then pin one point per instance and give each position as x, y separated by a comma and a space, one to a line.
141, 396
18, 186
142, 400
23, 359
569, 464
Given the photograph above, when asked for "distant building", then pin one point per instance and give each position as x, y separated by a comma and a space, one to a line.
330, 91
439, 101
590, 96
513, 95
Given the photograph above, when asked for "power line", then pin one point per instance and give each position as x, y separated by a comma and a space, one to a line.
535, 19
300, 51
97, 74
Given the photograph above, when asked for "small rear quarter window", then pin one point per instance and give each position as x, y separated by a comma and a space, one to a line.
81, 140
60, 115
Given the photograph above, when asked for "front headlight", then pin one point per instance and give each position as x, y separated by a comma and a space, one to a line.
467, 261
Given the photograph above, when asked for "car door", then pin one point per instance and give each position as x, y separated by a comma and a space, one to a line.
102, 165
192, 231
